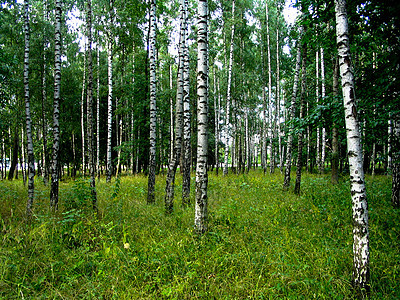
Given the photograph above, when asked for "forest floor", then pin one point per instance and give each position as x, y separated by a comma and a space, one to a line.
263, 242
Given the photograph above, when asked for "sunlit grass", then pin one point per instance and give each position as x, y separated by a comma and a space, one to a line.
263, 243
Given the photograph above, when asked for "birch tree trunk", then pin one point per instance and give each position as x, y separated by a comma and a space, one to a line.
335, 129
201, 205
216, 123
323, 135
187, 150
56, 109
300, 134
98, 112
153, 104
359, 199
44, 100
389, 145
292, 109
31, 158
395, 163
228, 92
278, 100
83, 125
318, 158
173, 164
109, 109
91, 140
270, 113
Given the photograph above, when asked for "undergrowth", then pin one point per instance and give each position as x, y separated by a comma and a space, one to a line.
263, 243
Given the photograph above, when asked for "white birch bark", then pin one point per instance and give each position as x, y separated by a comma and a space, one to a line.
83, 125
173, 164
270, 112
288, 164
323, 135
98, 112
389, 145
109, 109
216, 121
90, 115
56, 108
31, 158
318, 158
153, 104
359, 199
187, 150
201, 205
395, 164
278, 99
228, 93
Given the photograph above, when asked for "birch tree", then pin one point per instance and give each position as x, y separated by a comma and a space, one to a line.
109, 41
292, 111
90, 116
186, 153
31, 158
153, 103
56, 108
396, 163
173, 164
201, 205
354, 149
299, 164
228, 92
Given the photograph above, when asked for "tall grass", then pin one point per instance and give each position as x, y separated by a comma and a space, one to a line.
263, 243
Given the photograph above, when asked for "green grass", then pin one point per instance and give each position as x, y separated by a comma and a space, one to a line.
263, 243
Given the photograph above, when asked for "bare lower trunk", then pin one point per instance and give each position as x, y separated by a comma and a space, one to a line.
396, 163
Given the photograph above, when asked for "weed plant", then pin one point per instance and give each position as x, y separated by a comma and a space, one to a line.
263, 243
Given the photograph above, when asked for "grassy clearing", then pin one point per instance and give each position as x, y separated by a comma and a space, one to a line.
263, 243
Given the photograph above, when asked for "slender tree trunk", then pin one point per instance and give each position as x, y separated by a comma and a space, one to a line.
396, 163
56, 107
31, 159
83, 125
389, 145
286, 182
335, 129
228, 93
300, 134
173, 164
270, 112
187, 150
91, 137
323, 135
201, 205
109, 109
216, 122
359, 198
278, 99
318, 158
98, 112
153, 104
171, 109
